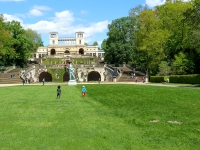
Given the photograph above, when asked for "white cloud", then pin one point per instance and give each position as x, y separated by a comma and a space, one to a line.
65, 17
38, 10
153, 3
11, 0
41, 7
65, 24
12, 17
95, 28
83, 12
35, 12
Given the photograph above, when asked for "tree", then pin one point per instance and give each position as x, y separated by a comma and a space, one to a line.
151, 39
175, 20
164, 68
34, 38
119, 44
95, 43
20, 43
164, 32
182, 64
6, 51
103, 44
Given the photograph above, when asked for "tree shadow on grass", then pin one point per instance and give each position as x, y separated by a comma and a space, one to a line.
191, 86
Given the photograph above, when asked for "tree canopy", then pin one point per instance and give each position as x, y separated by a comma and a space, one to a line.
119, 46
16, 43
167, 34
95, 43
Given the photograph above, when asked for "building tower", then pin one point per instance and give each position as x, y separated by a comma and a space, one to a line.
80, 38
53, 38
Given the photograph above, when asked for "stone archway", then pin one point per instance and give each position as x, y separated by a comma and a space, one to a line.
46, 75
94, 76
67, 52
81, 51
66, 77
53, 52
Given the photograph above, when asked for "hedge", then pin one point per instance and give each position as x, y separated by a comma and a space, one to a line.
188, 79
157, 79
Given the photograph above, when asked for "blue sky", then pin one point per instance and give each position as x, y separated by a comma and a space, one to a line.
69, 16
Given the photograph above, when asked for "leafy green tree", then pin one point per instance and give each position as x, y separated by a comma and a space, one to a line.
6, 51
164, 32
103, 44
182, 64
34, 38
20, 43
175, 21
134, 12
151, 39
95, 43
119, 44
138, 57
164, 68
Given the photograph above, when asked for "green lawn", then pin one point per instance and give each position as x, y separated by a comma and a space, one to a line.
111, 117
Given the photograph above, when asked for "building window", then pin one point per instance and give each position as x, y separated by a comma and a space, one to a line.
79, 41
53, 35
53, 42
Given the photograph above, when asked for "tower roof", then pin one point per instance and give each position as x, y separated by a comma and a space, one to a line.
80, 32
53, 32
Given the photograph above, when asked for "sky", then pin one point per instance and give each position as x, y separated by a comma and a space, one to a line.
69, 16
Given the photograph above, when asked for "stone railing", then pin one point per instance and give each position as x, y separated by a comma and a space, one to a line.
9, 68
27, 73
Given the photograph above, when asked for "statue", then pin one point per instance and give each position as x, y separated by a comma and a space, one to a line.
71, 73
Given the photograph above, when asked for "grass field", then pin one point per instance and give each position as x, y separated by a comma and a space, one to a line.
111, 117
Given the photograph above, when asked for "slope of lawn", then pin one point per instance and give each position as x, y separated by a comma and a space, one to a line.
113, 117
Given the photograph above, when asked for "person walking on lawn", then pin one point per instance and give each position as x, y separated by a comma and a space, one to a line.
84, 91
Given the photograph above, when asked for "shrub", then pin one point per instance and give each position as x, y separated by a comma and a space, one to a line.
157, 79
188, 79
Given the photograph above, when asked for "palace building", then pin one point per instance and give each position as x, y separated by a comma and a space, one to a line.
67, 46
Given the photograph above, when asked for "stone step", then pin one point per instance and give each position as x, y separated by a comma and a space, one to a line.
5, 75
126, 77
10, 81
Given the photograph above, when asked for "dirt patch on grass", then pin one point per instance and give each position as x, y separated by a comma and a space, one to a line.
174, 122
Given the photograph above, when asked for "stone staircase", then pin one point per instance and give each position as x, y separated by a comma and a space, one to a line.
125, 78
128, 78
4, 77
127, 75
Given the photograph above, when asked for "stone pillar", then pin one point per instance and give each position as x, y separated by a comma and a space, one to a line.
146, 79
124, 64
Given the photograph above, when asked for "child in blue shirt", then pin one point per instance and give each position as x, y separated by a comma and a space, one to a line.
84, 91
